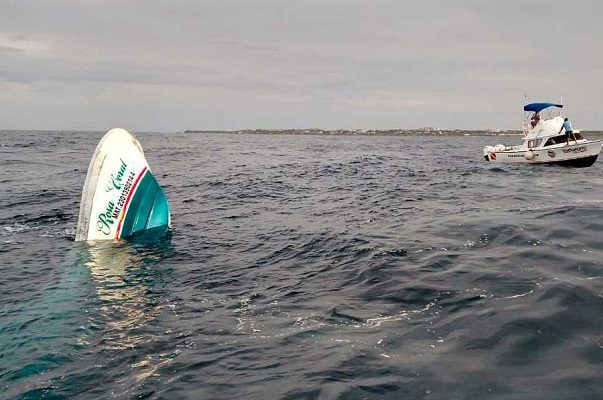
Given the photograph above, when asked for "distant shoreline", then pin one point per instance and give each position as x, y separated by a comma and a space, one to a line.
377, 132
328, 132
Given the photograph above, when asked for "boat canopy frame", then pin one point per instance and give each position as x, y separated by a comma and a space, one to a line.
532, 108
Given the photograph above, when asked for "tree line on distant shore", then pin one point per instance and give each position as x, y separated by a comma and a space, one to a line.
378, 132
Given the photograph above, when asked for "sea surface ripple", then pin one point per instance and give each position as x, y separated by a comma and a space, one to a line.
302, 267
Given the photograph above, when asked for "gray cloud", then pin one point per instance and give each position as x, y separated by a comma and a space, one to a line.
152, 65
6, 50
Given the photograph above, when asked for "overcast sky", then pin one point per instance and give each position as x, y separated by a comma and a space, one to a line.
175, 65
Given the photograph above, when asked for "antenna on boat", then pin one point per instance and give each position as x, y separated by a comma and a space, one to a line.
525, 124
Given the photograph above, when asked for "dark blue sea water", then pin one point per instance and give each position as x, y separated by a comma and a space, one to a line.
304, 267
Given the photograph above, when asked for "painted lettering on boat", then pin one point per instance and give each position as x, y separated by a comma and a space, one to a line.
105, 220
126, 191
112, 211
115, 181
520, 155
580, 149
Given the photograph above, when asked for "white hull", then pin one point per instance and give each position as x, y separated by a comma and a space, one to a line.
121, 197
582, 153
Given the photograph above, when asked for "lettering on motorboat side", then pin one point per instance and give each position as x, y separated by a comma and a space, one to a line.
520, 155
580, 149
551, 153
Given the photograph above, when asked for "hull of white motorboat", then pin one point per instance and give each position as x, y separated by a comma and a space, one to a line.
582, 154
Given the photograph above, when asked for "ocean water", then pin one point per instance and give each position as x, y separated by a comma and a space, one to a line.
303, 267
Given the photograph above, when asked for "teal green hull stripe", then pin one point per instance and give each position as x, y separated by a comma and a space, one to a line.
148, 208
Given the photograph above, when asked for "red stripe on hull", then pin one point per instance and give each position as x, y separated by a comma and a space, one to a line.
125, 209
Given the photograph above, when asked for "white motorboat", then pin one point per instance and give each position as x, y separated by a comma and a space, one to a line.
545, 142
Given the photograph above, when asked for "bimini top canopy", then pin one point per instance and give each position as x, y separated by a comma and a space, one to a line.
537, 107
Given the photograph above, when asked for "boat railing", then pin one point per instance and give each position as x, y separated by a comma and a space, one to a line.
526, 127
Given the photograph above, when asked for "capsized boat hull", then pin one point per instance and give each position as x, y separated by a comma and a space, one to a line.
121, 197
582, 154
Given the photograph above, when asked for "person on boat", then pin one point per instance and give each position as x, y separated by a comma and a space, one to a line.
567, 125
535, 119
